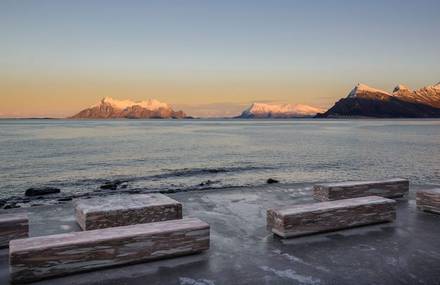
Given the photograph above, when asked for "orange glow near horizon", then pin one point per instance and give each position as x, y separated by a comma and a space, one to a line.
60, 97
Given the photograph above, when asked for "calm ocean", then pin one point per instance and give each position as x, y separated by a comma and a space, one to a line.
79, 156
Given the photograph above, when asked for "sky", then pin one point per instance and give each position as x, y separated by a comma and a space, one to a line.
209, 58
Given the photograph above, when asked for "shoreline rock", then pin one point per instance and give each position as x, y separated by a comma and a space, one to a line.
272, 181
38, 191
113, 185
208, 183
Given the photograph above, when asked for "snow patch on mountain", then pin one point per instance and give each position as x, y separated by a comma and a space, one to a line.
150, 104
363, 88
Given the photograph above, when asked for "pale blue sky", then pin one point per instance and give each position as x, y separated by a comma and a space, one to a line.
213, 52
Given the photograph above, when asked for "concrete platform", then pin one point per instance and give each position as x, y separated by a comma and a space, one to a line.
124, 210
44, 257
242, 251
13, 226
428, 200
311, 218
390, 188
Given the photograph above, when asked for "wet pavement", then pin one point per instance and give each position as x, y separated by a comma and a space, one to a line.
244, 252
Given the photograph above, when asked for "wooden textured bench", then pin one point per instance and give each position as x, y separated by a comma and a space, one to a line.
36, 258
124, 210
428, 200
328, 216
392, 188
13, 226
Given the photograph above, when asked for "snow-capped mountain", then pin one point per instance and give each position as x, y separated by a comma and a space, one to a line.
364, 90
429, 95
365, 101
262, 110
109, 108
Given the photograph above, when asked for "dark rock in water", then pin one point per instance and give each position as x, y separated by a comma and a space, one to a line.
272, 181
64, 199
41, 191
11, 206
112, 185
206, 183
2, 202
109, 186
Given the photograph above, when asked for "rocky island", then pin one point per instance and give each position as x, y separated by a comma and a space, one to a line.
109, 108
278, 111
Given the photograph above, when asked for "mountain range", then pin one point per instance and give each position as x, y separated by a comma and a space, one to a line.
366, 101
109, 108
362, 101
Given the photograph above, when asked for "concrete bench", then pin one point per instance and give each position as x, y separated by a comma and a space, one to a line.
13, 226
123, 210
37, 258
328, 216
392, 188
428, 200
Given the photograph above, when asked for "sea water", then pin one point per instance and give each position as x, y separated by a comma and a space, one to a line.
79, 156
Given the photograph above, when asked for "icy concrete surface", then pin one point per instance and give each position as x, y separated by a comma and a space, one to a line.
244, 252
